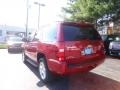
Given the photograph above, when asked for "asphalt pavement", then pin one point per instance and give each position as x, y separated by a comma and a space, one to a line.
15, 75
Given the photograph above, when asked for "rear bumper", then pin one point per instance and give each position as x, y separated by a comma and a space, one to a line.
12, 49
64, 68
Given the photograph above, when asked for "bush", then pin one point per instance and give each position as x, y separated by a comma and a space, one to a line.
3, 45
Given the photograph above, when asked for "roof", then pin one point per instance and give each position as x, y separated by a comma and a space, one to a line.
76, 23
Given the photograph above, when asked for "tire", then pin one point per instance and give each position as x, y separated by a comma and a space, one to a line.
9, 50
24, 57
44, 73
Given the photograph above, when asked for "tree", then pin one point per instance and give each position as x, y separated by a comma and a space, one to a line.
90, 10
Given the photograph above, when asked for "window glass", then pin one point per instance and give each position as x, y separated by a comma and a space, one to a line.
114, 38
104, 37
75, 33
49, 33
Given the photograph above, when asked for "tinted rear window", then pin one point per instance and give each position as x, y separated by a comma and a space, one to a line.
76, 33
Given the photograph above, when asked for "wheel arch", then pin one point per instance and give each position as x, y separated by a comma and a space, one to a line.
39, 55
49, 74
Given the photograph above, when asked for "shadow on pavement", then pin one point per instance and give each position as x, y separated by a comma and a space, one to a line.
81, 81
114, 57
92, 81
32, 68
58, 84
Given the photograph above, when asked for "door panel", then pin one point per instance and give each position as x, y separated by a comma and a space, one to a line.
31, 50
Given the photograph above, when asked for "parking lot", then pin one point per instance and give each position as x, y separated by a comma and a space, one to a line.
15, 75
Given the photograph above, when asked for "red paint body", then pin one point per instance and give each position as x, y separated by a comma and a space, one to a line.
67, 57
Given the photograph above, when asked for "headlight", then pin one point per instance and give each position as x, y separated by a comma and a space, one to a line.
110, 46
117, 38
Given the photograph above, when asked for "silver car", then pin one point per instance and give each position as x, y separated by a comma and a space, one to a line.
14, 44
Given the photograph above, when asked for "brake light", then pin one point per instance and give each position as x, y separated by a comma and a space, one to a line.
61, 55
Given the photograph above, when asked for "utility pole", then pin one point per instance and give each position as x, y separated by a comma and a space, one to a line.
27, 5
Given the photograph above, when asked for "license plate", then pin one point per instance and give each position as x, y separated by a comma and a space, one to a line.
88, 51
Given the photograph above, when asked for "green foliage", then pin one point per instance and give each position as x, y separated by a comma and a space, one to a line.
3, 46
88, 10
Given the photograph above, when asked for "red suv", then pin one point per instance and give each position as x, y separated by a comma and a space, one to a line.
64, 48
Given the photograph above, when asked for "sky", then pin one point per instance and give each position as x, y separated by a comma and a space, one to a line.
13, 12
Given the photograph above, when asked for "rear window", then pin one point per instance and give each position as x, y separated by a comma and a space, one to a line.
76, 33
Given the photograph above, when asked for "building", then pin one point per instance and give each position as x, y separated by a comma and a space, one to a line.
6, 31
102, 30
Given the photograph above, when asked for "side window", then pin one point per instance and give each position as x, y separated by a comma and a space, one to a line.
50, 33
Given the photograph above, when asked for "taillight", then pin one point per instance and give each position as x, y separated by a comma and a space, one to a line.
61, 55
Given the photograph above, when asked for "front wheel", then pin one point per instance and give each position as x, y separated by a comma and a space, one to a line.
45, 74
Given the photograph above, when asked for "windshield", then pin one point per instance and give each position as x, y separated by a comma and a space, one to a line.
14, 39
114, 38
75, 33
104, 37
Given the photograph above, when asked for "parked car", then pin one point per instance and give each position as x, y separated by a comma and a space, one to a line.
64, 48
14, 44
114, 47
109, 41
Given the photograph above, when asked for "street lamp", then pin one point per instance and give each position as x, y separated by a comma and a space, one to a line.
39, 4
27, 18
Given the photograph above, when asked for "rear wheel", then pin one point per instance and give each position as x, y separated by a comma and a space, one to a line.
9, 50
44, 72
